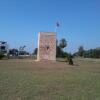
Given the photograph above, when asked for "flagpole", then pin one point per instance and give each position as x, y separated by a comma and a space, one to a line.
56, 27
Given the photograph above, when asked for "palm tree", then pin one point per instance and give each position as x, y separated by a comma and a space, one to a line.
63, 44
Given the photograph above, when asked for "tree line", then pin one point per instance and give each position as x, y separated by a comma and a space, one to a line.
91, 53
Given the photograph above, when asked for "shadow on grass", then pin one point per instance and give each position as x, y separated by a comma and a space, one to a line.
65, 61
61, 61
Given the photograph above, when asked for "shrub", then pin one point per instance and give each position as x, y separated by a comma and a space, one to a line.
1, 55
70, 57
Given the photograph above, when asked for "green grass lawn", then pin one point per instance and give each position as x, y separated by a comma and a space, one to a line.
29, 80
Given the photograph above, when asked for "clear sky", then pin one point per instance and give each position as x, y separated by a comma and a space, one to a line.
21, 20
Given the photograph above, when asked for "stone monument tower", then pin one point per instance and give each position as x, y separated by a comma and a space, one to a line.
46, 46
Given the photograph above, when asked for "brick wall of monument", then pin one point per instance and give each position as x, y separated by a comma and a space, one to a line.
47, 46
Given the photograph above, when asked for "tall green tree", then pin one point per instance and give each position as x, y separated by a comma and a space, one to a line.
35, 51
81, 51
63, 43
